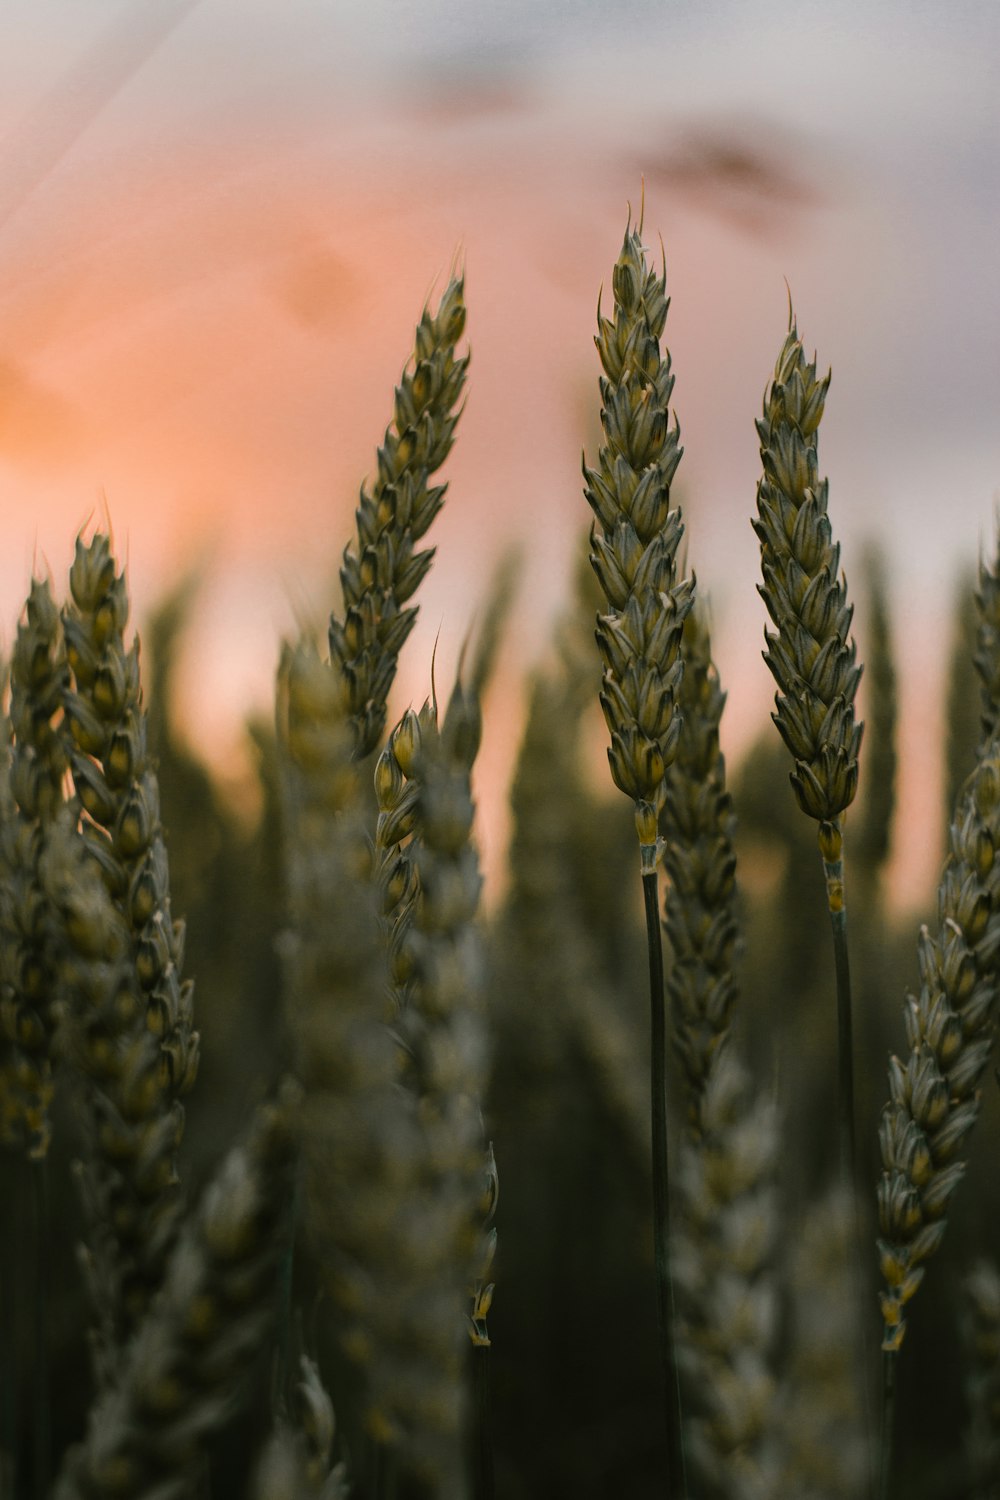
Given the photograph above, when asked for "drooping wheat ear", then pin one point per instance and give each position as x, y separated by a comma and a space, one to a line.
818, 1412
698, 856
987, 657
981, 1331
116, 783
182, 1369
935, 1091
809, 652
724, 1275
38, 679
382, 569
634, 540
128, 1180
295, 1464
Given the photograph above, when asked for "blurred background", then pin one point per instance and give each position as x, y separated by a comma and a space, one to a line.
219, 220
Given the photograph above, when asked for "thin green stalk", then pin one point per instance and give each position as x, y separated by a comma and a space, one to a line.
833, 869
41, 1406
831, 846
483, 1486
677, 1486
889, 1357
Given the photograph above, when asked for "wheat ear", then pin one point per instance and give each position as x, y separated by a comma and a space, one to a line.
934, 1093
727, 1300
116, 784
700, 862
634, 543
356, 1128
381, 569
809, 652
129, 1179
146, 1437
38, 680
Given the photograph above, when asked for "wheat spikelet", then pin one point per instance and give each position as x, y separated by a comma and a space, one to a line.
182, 1368
34, 794
935, 1091
117, 787
698, 856
381, 569
634, 540
809, 653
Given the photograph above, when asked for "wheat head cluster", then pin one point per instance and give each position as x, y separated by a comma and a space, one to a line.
253, 1231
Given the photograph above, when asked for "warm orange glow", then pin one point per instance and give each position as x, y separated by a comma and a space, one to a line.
203, 310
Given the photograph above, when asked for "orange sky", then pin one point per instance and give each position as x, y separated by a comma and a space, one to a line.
213, 250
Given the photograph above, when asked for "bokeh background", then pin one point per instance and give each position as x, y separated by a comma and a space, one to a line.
219, 220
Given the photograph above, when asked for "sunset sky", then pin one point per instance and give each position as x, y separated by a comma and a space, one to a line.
219, 222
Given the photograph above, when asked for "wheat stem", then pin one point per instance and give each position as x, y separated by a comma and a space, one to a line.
484, 1487
42, 1405
661, 1187
833, 871
888, 1423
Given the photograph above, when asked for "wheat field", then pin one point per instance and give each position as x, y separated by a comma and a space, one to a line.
675, 1172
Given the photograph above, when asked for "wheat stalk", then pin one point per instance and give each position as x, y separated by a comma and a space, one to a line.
634, 541
809, 652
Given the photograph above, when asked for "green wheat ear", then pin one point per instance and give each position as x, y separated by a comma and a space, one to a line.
31, 798
809, 651
382, 569
635, 537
